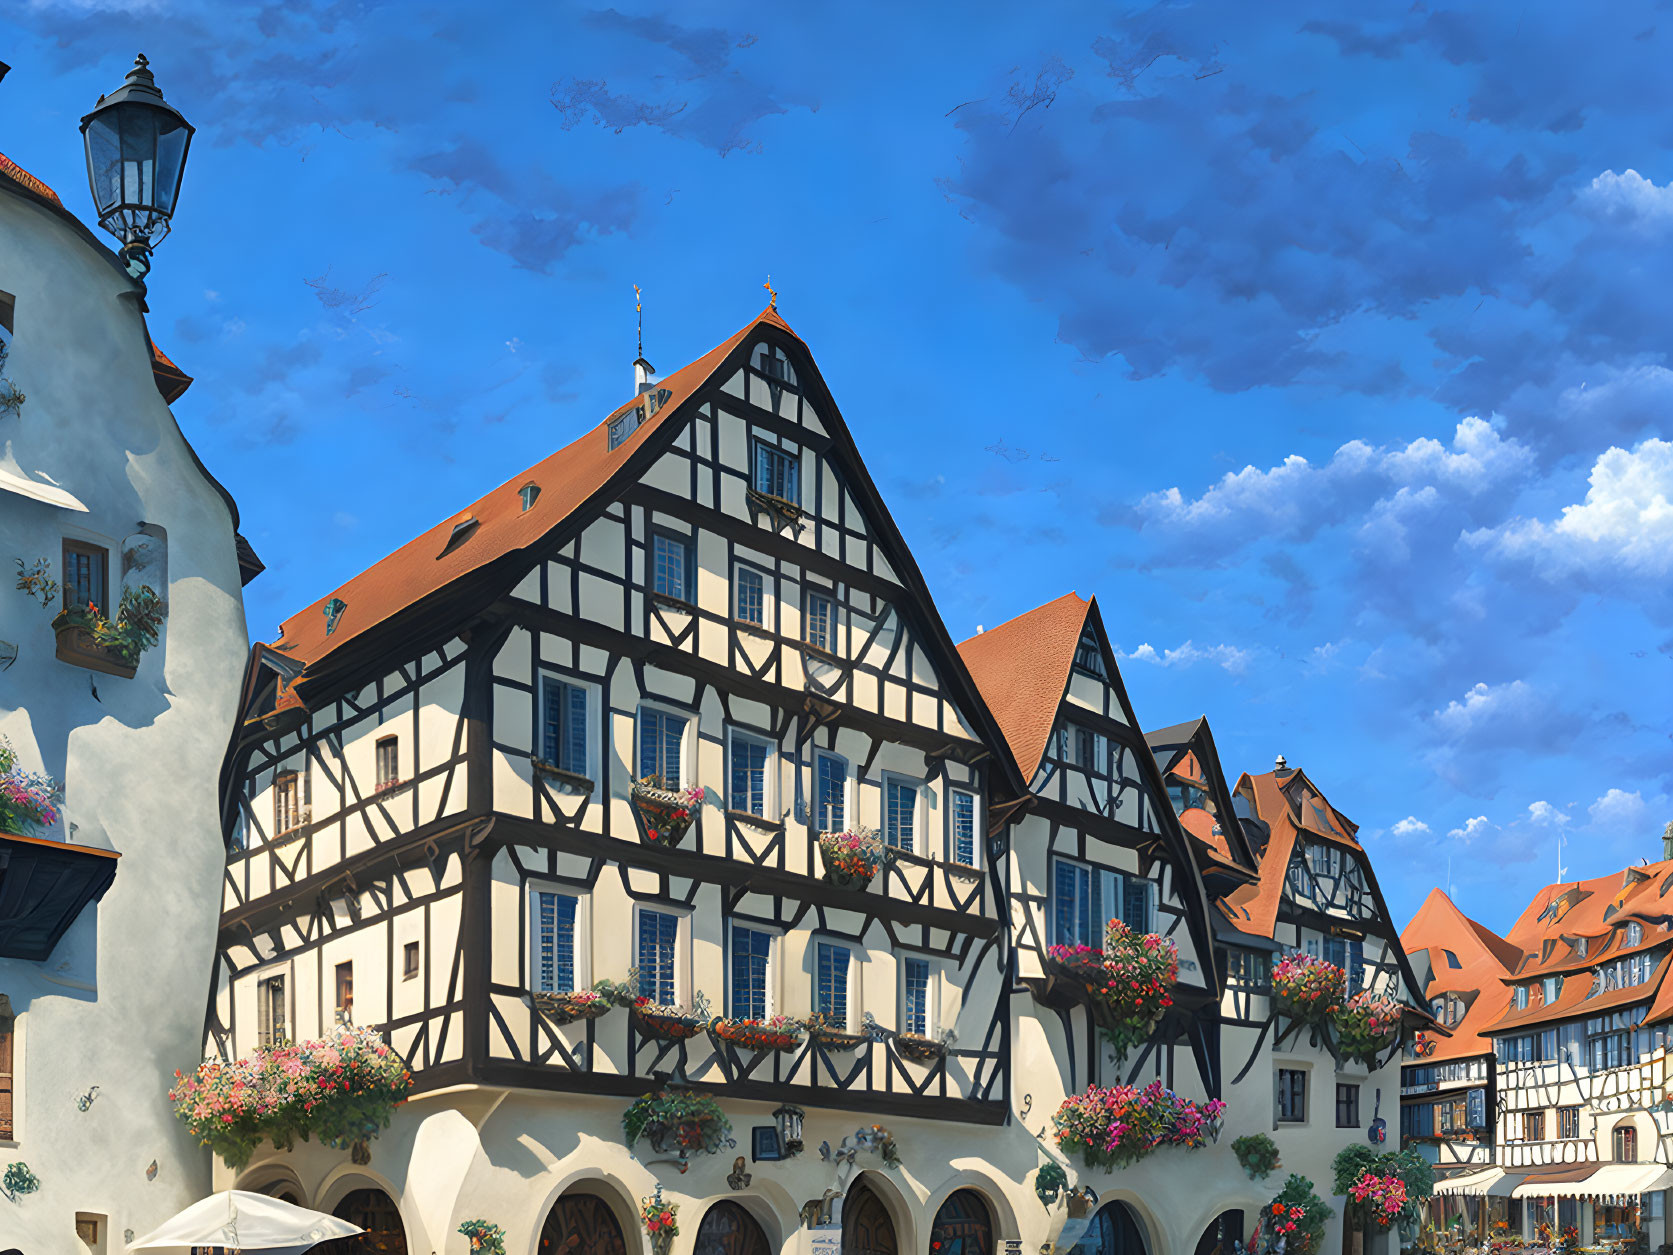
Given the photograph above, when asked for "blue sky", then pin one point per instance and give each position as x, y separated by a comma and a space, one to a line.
1328, 352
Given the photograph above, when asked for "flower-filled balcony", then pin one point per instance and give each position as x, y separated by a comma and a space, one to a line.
1129, 986
1116, 1126
44, 884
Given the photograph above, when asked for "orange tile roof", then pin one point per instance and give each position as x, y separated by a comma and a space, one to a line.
1485, 959
1022, 667
567, 479
1278, 802
9, 169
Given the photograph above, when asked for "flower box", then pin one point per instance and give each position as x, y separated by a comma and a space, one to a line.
835, 1039
779, 1033
1366, 1026
1075, 963
667, 813
1308, 989
77, 646
113, 646
567, 1008
1118, 1125
679, 1121
664, 1023
853, 858
919, 1049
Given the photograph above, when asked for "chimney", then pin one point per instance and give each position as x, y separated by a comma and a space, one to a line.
1281, 765
643, 378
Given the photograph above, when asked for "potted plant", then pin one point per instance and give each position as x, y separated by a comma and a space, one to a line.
853, 858
668, 813
661, 1221
1308, 989
88, 639
664, 1022
1379, 1198
918, 1048
1297, 1216
568, 1006
1140, 970
778, 1032
833, 1036
676, 1120
1257, 1154
485, 1237
29, 801
1366, 1025
1118, 1125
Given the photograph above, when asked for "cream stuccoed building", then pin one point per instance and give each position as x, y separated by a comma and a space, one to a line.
592, 727
107, 914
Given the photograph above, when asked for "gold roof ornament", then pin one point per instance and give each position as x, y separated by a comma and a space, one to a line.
772, 296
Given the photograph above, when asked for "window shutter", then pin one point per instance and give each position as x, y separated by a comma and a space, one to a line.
1153, 891
1277, 1095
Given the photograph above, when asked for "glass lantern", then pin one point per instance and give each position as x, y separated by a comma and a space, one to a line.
136, 153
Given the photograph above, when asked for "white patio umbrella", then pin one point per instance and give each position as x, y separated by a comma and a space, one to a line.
239, 1221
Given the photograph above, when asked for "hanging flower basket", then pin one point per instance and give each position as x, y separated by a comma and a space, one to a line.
679, 1121
1140, 970
1380, 1198
664, 1023
485, 1237
1308, 989
1084, 964
668, 813
1118, 1125
853, 858
834, 1038
567, 1008
780, 1033
28, 801
1366, 1026
919, 1049
1257, 1154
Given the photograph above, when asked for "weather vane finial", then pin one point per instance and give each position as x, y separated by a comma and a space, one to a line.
772, 296
639, 309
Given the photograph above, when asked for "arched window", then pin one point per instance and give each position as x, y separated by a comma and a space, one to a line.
867, 1228
963, 1226
1113, 1231
376, 1213
1626, 1143
728, 1229
582, 1222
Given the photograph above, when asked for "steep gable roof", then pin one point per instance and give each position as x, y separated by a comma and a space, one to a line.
1022, 668
1484, 960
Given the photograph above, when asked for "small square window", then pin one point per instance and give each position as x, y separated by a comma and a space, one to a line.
1347, 1106
1292, 1096
409, 961
764, 1144
776, 473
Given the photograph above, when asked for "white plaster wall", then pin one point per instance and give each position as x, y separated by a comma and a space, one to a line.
118, 1003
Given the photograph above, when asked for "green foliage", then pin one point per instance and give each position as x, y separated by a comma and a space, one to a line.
139, 617
485, 1237
1298, 1206
19, 1180
693, 1121
1257, 1154
37, 581
1353, 1162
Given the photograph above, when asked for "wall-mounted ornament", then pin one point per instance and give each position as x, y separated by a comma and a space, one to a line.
789, 1119
360, 1154
151, 1171
661, 1220
19, 1181
1049, 1182
485, 1237
87, 1099
738, 1179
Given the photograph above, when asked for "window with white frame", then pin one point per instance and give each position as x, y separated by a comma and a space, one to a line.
962, 847
661, 746
776, 473
832, 966
900, 812
1635, 934
751, 993
659, 955
830, 792
819, 622
751, 774
672, 573
750, 590
565, 724
1085, 898
917, 997
557, 949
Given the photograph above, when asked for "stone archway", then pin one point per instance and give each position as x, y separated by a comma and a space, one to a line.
581, 1224
867, 1227
376, 1213
1223, 1234
728, 1229
1113, 1231
963, 1226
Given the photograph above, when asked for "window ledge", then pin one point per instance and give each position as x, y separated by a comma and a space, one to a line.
559, 775
755, 821
754, 629
824, 655
778, 504
669, 602
390, 789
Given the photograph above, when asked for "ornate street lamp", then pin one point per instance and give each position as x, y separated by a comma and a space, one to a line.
136, 152
789, 1121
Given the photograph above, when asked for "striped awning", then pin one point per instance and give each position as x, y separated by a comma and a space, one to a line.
1598, 1181
1482, 1183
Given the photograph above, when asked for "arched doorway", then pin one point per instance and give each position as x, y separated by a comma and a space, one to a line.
1113, 1231
866, 1226
581, 1224
1222, 1236
376, 1213
963, 1226
728, 1229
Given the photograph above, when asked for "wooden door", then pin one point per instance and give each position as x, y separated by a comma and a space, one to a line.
581, 1224
866, 1227
728, 1229
1113, 1231
962, 1226
376, 1213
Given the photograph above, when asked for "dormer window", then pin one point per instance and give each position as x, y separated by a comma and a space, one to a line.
1452, 959
530, 493
1521, 997
462, 531
1088, 657
1635, 934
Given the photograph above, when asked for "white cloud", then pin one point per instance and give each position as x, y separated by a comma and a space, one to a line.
1227, 657
1619, 812
1474, 830
1410, 826
1544, 813
1630, 199
1483, 706
1626, 521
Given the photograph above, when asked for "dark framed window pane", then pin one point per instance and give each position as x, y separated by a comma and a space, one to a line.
86, 569
671, 566
831, 983
658, 939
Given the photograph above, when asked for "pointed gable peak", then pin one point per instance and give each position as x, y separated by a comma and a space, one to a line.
1021, 668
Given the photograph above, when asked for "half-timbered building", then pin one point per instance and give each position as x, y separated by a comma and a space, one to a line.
1582, 1074
456, 791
